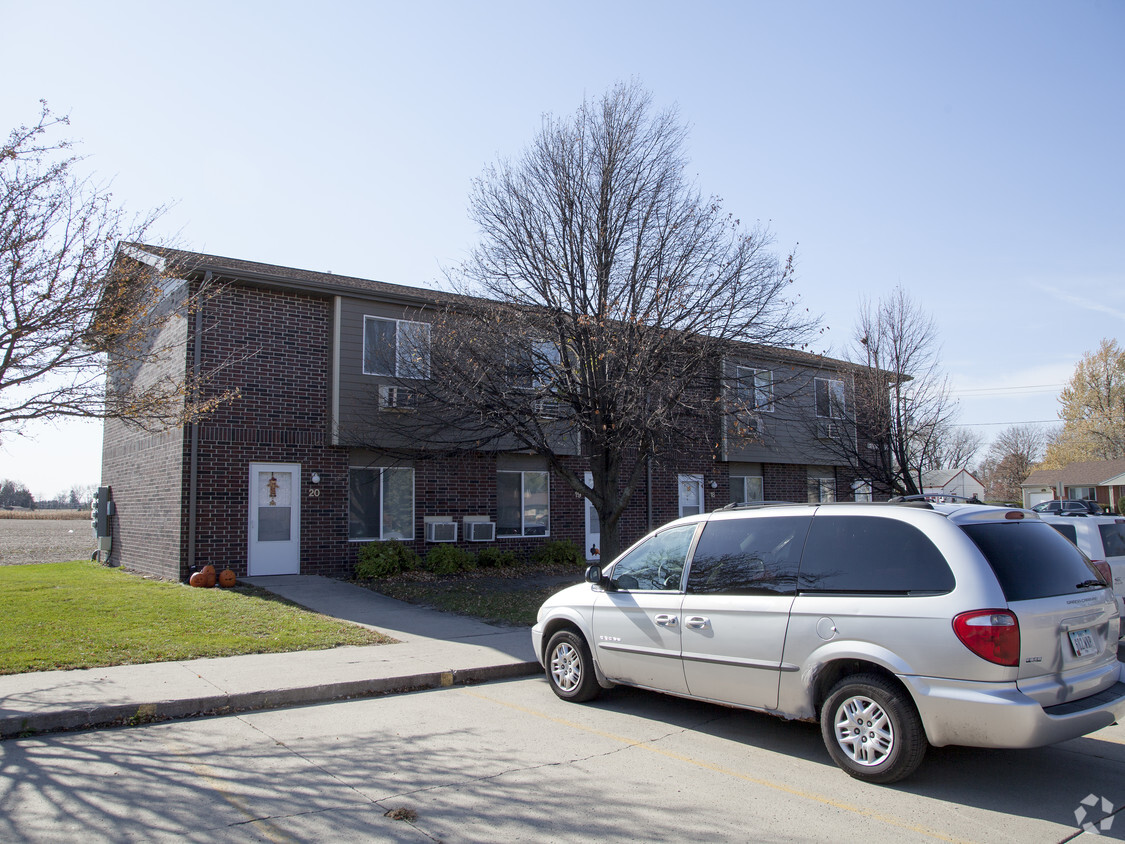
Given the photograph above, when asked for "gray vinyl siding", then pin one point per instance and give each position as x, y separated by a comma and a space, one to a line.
356, 402
788, 433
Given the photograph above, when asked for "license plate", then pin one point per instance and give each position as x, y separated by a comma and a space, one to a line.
1083, 642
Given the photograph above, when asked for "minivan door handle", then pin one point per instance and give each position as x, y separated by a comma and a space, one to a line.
666, 620
698, 622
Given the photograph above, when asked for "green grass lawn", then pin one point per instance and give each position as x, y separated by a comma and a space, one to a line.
498, 596
83, 615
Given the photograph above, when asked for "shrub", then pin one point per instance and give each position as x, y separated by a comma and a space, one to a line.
384, 559
449, 559
491, 557
1121, 506
559, 552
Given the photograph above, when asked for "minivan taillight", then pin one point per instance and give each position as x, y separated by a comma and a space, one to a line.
990, 634
1104, 570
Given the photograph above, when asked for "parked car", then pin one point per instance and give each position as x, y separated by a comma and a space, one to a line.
897, 626
1068, 506
1102, 539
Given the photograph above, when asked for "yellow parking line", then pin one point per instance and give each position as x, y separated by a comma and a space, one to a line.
216, 783
796, 792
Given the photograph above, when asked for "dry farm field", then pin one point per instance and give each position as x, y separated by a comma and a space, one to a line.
45, 540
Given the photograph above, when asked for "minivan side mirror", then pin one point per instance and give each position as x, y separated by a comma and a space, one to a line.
594, 575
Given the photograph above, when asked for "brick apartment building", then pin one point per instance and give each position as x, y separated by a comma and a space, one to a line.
268, 484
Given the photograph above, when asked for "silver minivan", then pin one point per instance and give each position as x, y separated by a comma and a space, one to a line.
896, 625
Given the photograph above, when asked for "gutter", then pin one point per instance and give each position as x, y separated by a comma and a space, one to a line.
193, 463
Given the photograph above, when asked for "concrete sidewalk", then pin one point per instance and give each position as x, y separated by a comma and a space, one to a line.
434, 649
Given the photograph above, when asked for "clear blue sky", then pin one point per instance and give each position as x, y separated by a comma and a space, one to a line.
969, 150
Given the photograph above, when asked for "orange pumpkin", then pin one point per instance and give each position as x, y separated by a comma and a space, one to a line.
197, 579
227, 578
208, 569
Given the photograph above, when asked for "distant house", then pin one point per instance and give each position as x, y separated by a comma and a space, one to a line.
1102, 481
959, 482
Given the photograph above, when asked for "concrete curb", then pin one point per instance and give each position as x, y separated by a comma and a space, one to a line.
134, 714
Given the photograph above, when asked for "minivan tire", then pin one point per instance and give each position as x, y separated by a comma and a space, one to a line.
872, 729
570, 668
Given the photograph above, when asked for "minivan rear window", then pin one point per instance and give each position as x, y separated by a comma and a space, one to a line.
1068, 531
1031, 560
1113, 539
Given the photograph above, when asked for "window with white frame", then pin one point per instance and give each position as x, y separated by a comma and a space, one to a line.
1081, 493
822, 490
397, 348
523, 503
380, 503
745, 488
753, 389
830, 403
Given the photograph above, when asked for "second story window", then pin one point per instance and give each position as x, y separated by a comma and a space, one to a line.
830, 398
753, 389
396, 347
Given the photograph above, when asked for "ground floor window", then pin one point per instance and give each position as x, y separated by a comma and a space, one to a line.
744, 488
822, 490
380, 503
523, 504
862, 490
1081, 493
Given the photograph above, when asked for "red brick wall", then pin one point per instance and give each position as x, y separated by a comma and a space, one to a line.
276, 347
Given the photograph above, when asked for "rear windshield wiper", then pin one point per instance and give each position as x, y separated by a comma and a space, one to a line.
1086, 584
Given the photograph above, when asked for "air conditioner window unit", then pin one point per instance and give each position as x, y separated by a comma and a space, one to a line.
548, 409
481, 531
441, 531
828, 430
397, 398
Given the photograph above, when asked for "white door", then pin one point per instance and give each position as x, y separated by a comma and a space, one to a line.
593, 527
274, 519
691, 495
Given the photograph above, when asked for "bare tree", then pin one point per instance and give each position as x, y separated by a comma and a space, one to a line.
1010, 459
68, 296
956, 447
902, 413
599, 305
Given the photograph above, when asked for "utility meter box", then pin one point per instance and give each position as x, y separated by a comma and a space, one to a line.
100, 510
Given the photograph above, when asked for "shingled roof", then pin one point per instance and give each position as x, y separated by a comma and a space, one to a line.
191, 264
1089, 473
186, 264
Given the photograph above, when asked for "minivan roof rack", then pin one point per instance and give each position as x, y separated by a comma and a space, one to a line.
753, 505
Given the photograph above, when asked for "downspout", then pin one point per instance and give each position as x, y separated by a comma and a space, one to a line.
648, 489
193, 463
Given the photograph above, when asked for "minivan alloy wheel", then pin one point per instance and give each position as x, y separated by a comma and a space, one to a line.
872, 729
570, 668
863, 730
566, 666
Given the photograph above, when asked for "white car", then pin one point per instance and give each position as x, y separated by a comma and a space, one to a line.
1102, 539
